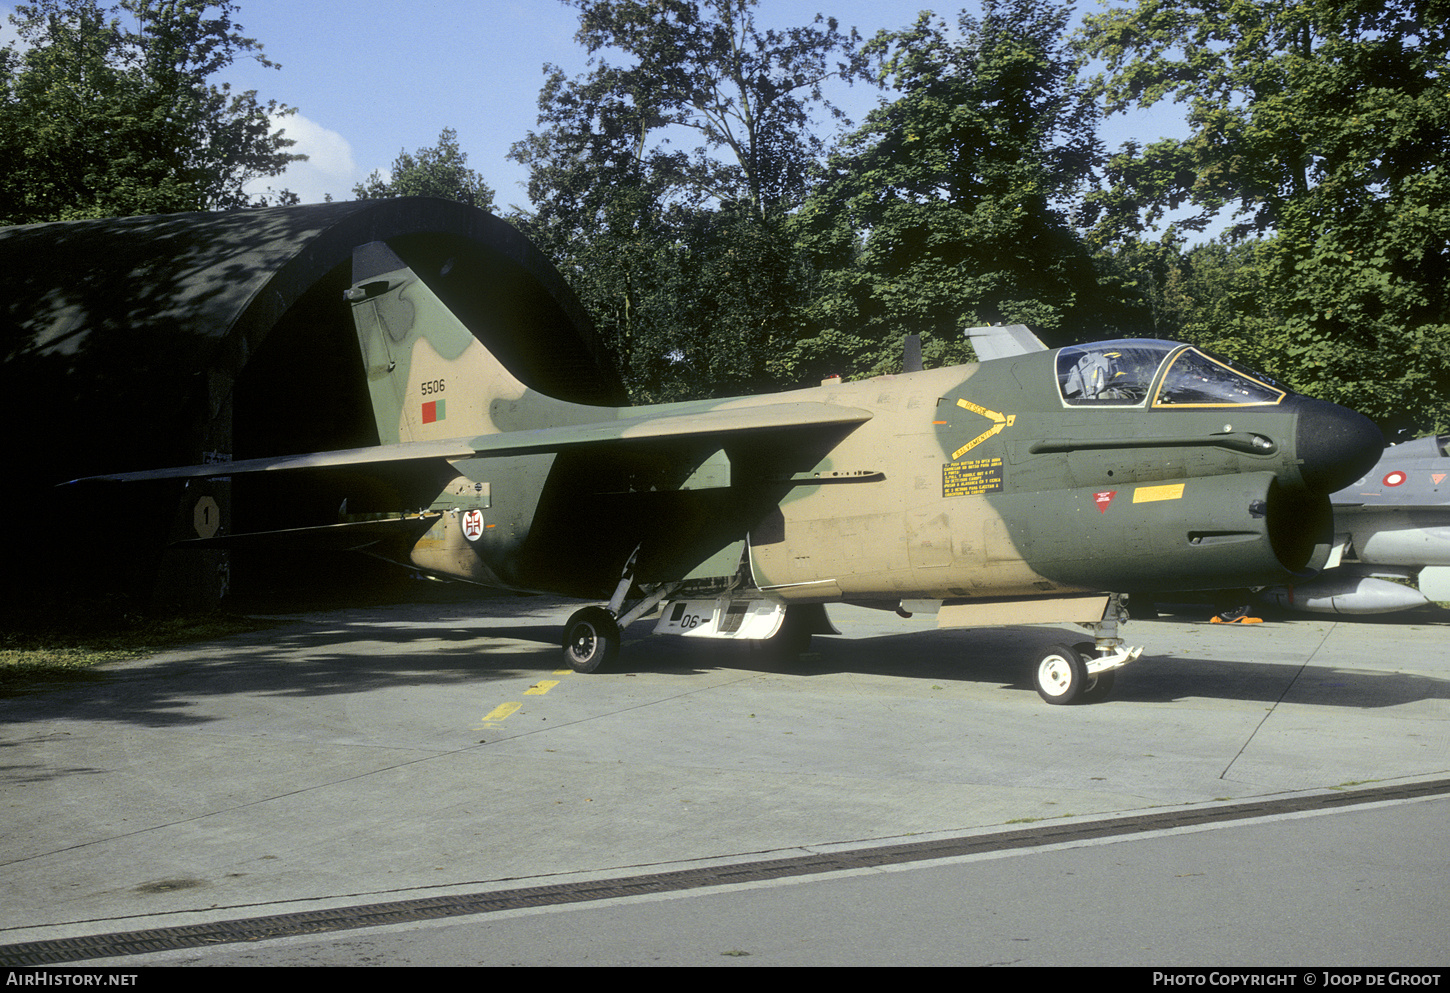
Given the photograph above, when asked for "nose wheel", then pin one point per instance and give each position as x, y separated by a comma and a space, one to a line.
1060, 676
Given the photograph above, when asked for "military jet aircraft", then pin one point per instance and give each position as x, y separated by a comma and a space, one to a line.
1032, 488
1391, 525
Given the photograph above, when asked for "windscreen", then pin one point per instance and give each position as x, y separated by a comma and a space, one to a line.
1195, 379
1124, 373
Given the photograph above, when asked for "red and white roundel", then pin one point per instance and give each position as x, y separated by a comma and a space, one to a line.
1395, 478
472, 524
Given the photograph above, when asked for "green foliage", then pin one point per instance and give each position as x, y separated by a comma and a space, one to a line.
440, 171
108, 111
704, 68
958, 194
1325, 125
1211, 295
685, 257
980, 193
44, 645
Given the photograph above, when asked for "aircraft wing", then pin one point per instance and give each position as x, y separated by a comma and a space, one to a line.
1408, 476
715, 423
417, 451
1375, 500
693, 423
348, 536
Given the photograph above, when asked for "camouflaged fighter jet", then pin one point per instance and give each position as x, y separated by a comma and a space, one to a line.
1031, 488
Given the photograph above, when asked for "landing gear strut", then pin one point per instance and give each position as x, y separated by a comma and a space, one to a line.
591, 638
1099, 684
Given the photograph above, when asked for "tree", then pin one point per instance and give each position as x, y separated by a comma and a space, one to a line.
440, 171
1325, 127
957, 195
685, 256
705, 67
108, 110
1213, 295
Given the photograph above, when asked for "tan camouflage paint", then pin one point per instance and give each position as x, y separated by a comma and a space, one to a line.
907, 505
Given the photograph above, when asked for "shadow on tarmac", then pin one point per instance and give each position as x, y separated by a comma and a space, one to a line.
449, 639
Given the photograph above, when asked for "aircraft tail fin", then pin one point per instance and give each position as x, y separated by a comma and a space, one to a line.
428, 376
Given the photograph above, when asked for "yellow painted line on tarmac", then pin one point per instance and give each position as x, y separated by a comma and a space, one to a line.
504, 710
501, 711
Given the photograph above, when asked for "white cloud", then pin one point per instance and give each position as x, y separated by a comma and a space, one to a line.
328, 151
329, 169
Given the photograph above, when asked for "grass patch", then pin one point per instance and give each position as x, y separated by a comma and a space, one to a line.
38, 651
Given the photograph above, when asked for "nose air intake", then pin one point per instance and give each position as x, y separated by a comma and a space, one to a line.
1335, 446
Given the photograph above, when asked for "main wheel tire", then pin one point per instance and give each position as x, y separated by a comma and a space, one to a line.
1060, 675
591, 639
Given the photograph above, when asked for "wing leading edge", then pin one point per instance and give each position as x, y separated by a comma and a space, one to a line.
721, 423
713, 423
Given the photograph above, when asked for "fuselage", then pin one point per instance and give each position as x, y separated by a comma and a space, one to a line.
1118, 466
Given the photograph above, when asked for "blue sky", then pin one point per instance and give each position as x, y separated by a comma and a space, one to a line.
370, 79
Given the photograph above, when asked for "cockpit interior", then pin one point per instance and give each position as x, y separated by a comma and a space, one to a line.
1159, 374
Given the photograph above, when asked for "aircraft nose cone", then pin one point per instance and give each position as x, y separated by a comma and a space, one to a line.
1335, 445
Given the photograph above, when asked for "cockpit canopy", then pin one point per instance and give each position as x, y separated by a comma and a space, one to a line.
1161, 374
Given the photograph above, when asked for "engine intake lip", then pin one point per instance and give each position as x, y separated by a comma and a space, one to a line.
1299, 525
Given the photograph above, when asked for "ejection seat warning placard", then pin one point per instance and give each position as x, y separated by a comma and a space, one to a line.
971, 478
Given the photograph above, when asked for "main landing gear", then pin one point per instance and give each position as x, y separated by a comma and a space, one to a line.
1080, 673
591, 637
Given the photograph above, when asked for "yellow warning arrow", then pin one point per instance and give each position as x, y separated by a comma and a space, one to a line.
1000, 421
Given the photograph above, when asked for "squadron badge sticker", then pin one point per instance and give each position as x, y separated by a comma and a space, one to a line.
472, 524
